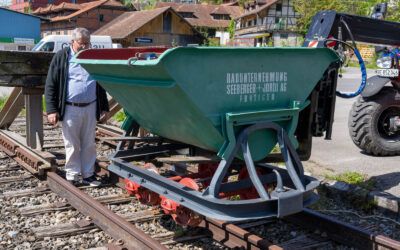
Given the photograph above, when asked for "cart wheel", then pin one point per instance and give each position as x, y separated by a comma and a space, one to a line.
250, 193
208, 170
187, 217
182, 215
144, 195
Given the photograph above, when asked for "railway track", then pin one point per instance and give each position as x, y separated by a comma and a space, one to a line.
49, 212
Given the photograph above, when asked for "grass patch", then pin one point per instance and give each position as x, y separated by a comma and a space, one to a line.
312, 161
44, 104
234, 198
370, 65
179, 232
3, 101
276, 149
353, 178
120, 116
330, 169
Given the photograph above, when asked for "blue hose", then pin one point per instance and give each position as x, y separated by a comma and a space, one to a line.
360, 61
363, 78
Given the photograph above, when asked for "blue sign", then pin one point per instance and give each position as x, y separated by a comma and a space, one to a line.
143, 40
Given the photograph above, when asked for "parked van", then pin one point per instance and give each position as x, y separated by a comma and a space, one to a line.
54, 43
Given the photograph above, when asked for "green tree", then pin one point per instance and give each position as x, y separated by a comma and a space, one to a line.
231, 29
242, 2
215, 2
393, 11
308, 8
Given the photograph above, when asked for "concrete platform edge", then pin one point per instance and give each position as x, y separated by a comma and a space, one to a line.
386, 203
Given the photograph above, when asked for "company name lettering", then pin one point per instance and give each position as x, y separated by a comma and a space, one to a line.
256, 77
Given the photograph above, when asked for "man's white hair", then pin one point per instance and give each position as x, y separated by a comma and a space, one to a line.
80, 33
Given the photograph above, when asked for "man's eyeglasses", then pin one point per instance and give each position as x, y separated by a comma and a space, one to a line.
83, 43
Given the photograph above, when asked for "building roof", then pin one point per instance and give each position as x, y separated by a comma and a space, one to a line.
220, 10
131, 21
203, 13
265, 6
80, 8
57, 8
18, 12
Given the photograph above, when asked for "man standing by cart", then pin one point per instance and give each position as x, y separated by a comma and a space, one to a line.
76, 100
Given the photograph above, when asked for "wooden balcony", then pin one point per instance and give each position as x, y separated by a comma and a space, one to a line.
258, 29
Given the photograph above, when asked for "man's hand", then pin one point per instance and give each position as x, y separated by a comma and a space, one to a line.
53, 118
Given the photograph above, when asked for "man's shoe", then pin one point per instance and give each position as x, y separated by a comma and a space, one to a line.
92, 181
73, 182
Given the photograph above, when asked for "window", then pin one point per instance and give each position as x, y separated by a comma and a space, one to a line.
73, 1
37, 46
167, 20
101, 17
50, 1
277, 19
65, 32
187, 14
282, 23
57, 32
21, 47
221, 17
284, 36
48, 47
278, 7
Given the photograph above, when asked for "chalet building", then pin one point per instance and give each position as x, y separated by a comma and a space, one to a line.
266, 21
211, 19
66, 17
157, 27
28, 6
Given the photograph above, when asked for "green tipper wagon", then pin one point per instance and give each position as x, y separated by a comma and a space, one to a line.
236, 102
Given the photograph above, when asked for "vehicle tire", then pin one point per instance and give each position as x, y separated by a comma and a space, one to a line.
369, 123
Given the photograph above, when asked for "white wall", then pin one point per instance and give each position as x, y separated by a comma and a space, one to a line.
293, 40
223, 37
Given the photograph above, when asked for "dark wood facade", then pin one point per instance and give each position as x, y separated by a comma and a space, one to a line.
91, 19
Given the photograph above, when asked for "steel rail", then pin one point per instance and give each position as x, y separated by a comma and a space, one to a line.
342, 232
233, 236
103, 217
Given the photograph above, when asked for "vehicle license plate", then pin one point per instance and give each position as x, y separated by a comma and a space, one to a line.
387, 72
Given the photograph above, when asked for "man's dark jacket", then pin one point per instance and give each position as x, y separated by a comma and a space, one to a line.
55, 91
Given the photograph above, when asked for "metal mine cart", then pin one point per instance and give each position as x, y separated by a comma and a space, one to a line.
224, 110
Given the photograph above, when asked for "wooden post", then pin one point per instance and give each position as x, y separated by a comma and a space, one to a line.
34, 117
12, 107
